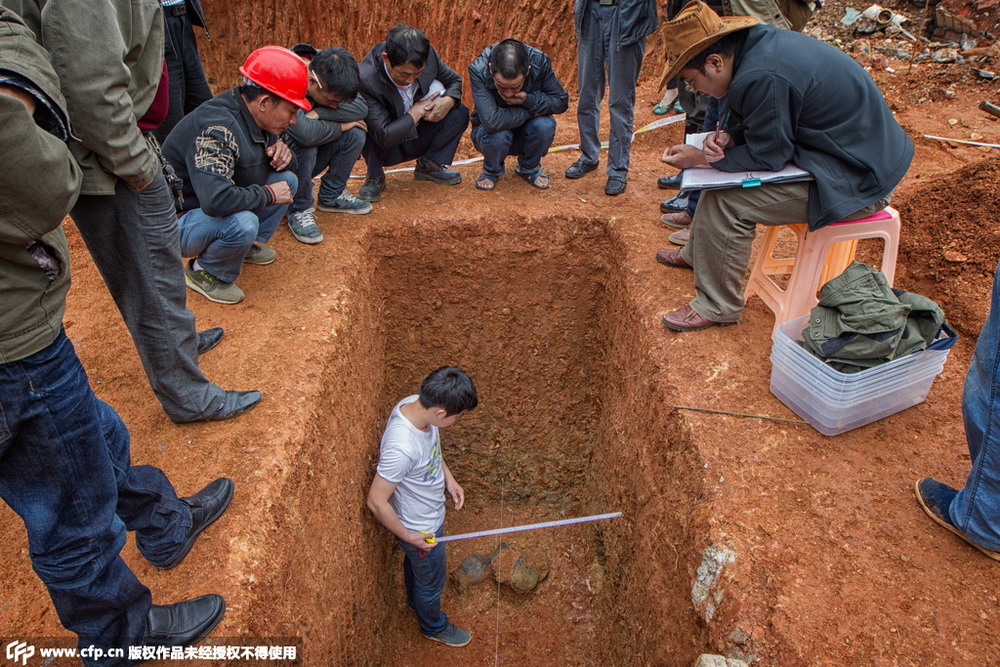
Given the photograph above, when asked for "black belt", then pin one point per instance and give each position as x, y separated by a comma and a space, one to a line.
176, 10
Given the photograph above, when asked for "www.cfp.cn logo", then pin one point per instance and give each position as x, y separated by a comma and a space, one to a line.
20, 651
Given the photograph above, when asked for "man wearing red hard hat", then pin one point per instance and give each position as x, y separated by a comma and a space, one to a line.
238, 173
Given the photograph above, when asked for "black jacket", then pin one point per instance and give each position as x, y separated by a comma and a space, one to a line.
221, 154
636, 19
796, 99
545, 95
388, 124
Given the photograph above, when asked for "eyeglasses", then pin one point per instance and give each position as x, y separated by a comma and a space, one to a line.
315, 77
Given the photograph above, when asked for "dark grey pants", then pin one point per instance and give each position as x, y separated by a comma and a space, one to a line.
597, 50
133, 239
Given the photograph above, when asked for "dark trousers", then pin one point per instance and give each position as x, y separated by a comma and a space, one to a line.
528, 142
188, 86
134, 241
600, 59
424, 576
435, 141
336, 158
65, 469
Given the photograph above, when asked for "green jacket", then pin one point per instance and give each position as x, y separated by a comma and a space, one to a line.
109, 58
861, 322
38, 186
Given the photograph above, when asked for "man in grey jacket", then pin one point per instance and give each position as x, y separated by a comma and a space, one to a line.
786, 92
65, 465
327, 138
109, 58
611, 42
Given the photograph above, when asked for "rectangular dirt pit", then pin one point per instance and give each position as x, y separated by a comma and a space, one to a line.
536, 312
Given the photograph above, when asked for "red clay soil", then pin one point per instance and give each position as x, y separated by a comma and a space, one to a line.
552, 301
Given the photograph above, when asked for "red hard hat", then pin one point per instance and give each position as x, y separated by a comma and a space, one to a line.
279, 71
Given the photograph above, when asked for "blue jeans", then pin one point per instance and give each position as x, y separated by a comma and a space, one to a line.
337, 158
424, 577
529, 143
65, 469
976, 508
220, 244
435, 141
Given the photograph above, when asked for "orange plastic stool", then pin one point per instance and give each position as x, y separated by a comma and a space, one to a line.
821, 255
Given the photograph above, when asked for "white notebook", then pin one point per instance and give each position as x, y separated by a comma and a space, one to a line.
705, 177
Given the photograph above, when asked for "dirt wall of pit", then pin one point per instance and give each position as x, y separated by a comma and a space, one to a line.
459, 30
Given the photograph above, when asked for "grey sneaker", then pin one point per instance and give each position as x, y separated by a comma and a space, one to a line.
346, 203
304, 227
258, 254
210, 287
452, 636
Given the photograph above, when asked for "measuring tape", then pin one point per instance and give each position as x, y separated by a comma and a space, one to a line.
658, 123
516, 529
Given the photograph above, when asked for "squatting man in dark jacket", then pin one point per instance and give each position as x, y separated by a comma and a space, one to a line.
516, 94
65, 463
787, 95
238, 174
414, 110
327, 139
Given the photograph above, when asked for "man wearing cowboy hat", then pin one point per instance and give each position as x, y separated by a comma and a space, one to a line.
786, 98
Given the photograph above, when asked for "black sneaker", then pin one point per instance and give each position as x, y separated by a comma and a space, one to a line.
429, 170
451, 636
372, 189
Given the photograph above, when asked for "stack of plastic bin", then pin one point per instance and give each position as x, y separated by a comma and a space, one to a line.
834, 402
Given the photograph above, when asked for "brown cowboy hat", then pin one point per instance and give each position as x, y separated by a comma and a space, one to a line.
695, 28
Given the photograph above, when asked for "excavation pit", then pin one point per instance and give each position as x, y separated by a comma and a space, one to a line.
568, 424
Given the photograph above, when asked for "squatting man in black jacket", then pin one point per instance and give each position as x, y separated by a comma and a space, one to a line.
414, 110
238, 174
516, 94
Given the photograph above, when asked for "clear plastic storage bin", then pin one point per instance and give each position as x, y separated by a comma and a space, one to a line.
834, 402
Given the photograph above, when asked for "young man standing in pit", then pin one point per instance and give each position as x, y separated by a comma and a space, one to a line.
327, 139
516, 96
414, 110
407, 494
239, 176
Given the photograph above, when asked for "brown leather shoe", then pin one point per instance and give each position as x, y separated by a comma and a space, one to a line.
671, 257
680, 237
676, 220
685, 319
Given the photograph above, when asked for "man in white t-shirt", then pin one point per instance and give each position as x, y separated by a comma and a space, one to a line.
407, 494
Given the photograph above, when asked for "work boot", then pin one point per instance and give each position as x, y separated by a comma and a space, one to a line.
371, 190
304, 227
183, 623
452, 636
210, 287
429, 170
206, 506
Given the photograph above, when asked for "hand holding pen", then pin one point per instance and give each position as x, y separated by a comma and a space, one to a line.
715, 144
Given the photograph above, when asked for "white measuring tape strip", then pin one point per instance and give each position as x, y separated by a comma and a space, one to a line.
656, 124
530, 526
962, 141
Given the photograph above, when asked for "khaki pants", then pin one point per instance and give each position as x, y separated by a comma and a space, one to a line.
722, 233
